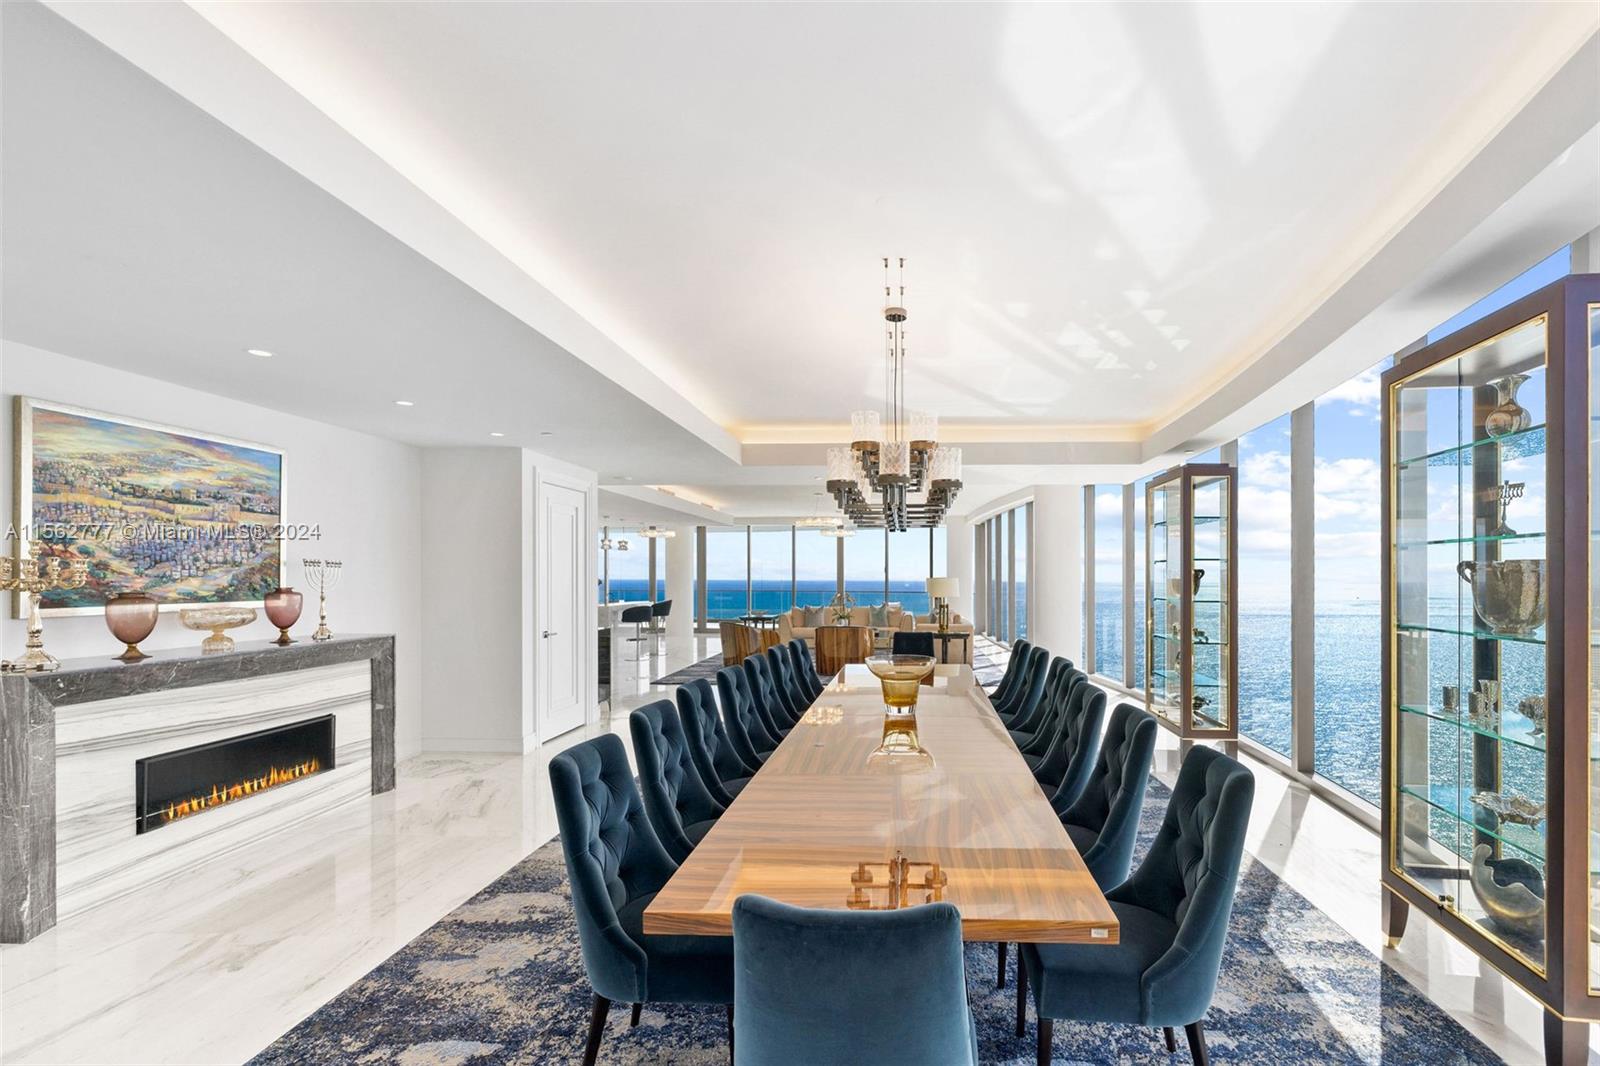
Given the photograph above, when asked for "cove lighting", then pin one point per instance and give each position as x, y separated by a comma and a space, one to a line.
404, 403
260, 353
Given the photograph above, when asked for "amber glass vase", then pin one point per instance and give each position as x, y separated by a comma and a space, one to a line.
901, 676
131, 616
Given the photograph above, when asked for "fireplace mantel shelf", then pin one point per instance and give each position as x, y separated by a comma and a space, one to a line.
28, 705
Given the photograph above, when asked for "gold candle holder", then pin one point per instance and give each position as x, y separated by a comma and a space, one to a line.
30, 577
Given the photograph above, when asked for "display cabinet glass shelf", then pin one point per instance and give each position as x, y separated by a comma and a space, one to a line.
1491, 522
1191, 593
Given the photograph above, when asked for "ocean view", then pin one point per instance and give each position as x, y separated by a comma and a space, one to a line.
726, 599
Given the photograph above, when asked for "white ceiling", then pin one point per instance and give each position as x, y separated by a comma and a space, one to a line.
1107, 208
653, 230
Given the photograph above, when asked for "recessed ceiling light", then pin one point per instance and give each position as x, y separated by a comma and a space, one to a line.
260, 353
404, 403
492, 433
546, 433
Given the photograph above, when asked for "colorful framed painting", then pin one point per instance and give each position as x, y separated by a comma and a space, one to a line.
187, 518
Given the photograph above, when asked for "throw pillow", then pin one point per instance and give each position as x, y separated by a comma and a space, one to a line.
878, 616
815, 616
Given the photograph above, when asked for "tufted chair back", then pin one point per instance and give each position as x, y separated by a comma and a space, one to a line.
1189, 876
1064, 772
1112, 801
1042, 722
764, 691
1029, 687
709, 744
745, 728
613, 857
793, 700
1019, 656
674, 795
805, 671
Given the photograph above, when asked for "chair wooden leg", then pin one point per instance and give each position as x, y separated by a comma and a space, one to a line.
597, 1028
1172, 1039
1000, 978
1022, 996
1045, 1033
1197, 1043
633, 1023
730, 1034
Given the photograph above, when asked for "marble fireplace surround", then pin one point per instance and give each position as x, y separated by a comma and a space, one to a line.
28, 735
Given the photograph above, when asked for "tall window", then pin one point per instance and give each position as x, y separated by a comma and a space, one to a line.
816, 568
771, 569
863, 567
630, 569
1265, 703
909, 564
1348, 586
1138, 583
1108, 596
1019, 579
726, 573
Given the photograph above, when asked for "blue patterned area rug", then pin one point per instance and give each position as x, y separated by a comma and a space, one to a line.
500, 980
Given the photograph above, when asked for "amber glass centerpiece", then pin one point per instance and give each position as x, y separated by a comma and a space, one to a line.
901, 676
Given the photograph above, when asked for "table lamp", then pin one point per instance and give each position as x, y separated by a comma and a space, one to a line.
943, 590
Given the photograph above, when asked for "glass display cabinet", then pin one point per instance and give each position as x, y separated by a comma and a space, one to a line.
1490, 522
1191, 596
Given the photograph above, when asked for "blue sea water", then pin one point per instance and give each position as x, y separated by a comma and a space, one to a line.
726, 599
1348, 728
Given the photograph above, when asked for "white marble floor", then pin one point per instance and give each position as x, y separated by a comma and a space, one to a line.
215, 967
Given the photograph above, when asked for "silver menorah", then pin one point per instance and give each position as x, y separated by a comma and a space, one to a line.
322, 575
1502, 495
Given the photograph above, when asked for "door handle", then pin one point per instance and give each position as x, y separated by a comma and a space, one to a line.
549, 634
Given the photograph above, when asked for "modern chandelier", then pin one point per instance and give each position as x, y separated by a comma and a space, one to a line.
894, 474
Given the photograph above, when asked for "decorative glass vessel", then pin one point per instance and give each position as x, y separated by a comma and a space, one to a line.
1491, 522
901, 677
283, 610
1191, 596
131, 617
218, 620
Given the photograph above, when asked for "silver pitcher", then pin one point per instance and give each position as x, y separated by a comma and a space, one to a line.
1510, 595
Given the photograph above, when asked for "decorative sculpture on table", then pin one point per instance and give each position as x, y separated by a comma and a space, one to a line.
323, 575
898, 888
31, 576
901, 676
131, 616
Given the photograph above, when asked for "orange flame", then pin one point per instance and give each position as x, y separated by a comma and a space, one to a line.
221, 794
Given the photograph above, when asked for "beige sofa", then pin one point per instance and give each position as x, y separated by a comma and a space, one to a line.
791, 623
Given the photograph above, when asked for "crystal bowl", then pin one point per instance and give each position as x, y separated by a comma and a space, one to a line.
217, 620
901, 676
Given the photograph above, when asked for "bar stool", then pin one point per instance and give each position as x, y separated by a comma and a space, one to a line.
658, 613
639, 616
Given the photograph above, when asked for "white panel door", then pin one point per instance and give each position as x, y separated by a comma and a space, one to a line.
563, 685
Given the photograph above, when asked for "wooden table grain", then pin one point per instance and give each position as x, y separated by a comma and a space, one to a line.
815, 812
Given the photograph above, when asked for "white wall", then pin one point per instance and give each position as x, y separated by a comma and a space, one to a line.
959, 564
480, 535
363, 491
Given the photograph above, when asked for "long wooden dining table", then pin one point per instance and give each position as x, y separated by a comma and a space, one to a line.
818, 826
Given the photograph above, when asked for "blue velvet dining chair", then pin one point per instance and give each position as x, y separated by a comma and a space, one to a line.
745, 728
1173, 913
721, 770
1036, 747
793, 700
616, 865
840, 987
1065, 770
1038, 728
764, 692
805, 670
1014, 663
1029, 689
906, 642
680, 807
1104, 821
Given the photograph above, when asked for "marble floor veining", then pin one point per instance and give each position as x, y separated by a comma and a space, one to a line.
215, 966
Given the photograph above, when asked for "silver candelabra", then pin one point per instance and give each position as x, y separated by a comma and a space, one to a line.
322, 575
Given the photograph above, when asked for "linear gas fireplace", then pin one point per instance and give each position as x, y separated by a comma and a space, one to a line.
178, 784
